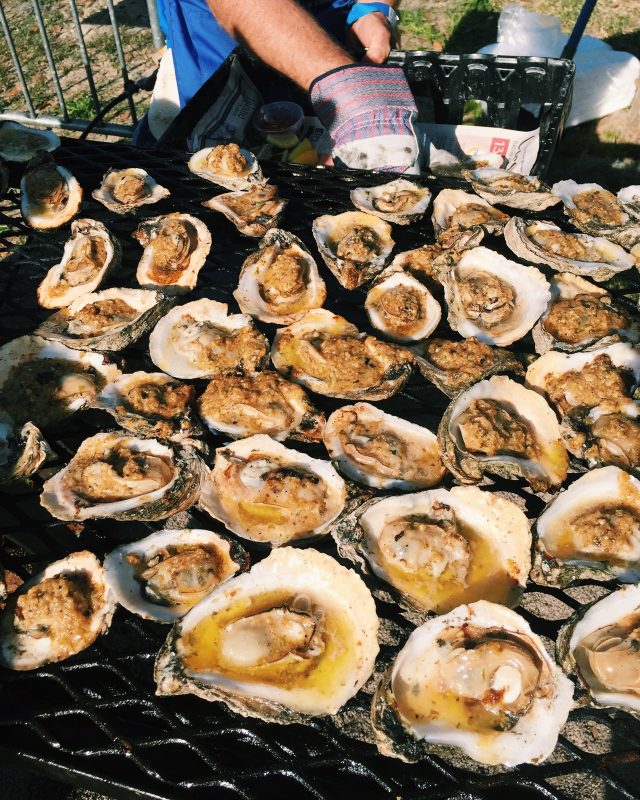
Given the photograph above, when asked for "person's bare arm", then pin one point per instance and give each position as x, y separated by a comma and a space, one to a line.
374, 33
283, 35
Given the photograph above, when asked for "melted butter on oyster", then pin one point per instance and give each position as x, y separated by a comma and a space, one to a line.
490, 428
599, 205
124, 190
50, 195
100, 316
610, 656
572, 320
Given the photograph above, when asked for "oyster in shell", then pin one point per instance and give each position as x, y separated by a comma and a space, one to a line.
117, 476
429, 262
202, 340
165, 574
605, 434
267, 493
228, 165
56, 614
400, 201
498, 426
240, 406
49, 194
280, 282
253, 211
108, 320
511, 189
354, 245
22, 450
401, 307
545, 243
175, 249
295, 637
328, 355
456, 210
630, 199
19, 143
479, 679
382, 451
125, 190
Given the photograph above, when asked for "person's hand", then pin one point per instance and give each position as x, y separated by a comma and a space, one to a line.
374, 33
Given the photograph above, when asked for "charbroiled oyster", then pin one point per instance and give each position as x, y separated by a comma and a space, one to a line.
19, 143
509, 188
201, 340
117, 476
294, 637
605, 434
165, 574
498, 426
175, 249
455, 210
49, 194
124, 190
242, 406
56, 614
630, 199
108, 320
90, 255
401, 307
382, 451
228, 165
479, 679
267, 493
253, 211
428, 263
328, 355
400, 201
354, 245
22, 450
545, 243
280, 282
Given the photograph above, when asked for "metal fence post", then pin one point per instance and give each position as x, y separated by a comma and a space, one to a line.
84, 55
121, 59
154, 24
16, 62
49, 55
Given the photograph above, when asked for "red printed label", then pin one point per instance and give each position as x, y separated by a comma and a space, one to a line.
500, 146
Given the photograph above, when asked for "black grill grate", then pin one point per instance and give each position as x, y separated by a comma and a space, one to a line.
94, 720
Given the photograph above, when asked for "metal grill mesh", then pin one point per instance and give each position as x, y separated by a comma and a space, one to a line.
95, 720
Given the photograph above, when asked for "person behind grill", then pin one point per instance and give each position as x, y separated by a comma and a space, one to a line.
366, 107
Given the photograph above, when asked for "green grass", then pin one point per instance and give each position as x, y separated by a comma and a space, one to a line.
81, 106
415, 23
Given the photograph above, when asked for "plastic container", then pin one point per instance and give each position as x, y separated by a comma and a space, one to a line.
279, 123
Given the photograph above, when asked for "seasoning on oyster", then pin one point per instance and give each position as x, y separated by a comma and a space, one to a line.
400, 201
606, 434
253, 211
591, 530
294, 637
202, 340
493, 299
456, 210
401, 307
427, 263
265, 492
117, 476
509, 188
280, 282
228, 165
498, 426
328, 355
545, 243
354, 245
45, 382
151, 404
165, 574
242, 406
56, 614
22, 450
454, 366
382, 451
124, 190
19, 143
49, 194
440, 548
600, 644
175, 249
479, 679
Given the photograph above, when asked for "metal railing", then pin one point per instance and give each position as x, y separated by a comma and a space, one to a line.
63, 119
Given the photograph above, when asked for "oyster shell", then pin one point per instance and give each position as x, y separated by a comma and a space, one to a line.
400, 201
49, 194
591, 530
630, 199
606, 434
328, 355
440, 548
382, 451
56, 614
401, 307
228, 165
294, 637
201, 340
117, 476
22, 450
108, 320
280, 282
125, 190
165, 574
498, 426
89, 256
545, 243
253, 211
240, 406
19, 143
175, 249
354, 245
493, 299
512, 189
479, 679
456, 210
